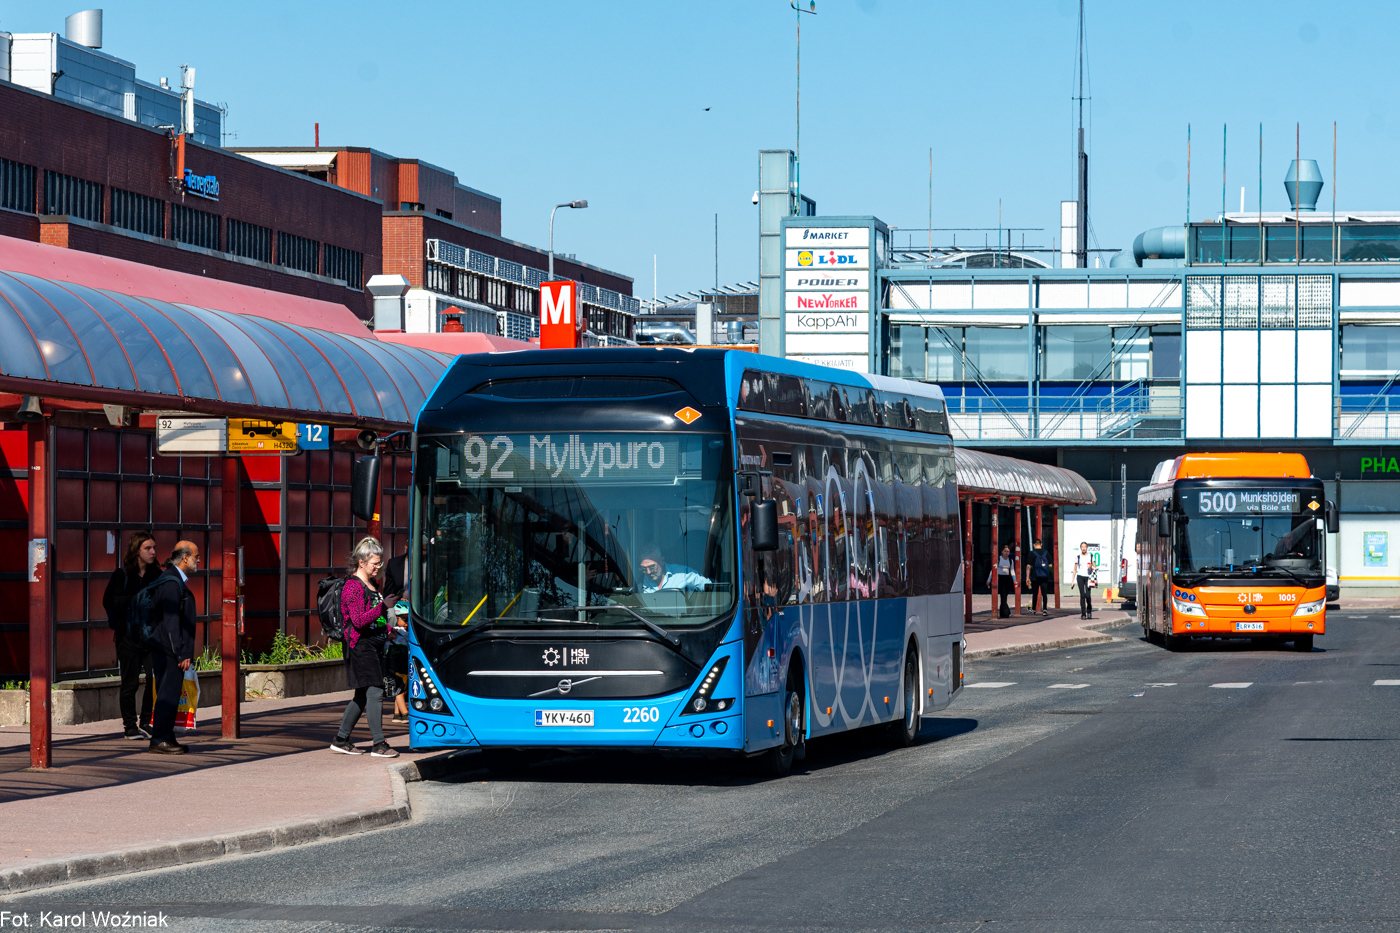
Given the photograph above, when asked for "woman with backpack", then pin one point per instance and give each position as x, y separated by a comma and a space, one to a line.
1038, 577
366, 630
138, 568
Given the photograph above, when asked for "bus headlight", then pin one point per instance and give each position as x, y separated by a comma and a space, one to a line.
1312, 608
430, 699
1189, 609
700, 701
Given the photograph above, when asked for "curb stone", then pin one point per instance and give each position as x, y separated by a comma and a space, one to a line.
1072, 641
147, 858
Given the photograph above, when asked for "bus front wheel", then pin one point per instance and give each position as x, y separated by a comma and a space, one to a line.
777, 761
1175, 642
1303, 642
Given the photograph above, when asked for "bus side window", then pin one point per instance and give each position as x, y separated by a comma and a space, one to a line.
814, 501
935, 526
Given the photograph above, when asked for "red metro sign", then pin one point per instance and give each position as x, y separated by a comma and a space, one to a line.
560, 326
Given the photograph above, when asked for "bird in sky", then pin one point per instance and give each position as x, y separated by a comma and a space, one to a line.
707, 109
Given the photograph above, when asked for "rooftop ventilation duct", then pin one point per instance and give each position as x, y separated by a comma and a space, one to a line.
84, 28
1303, 184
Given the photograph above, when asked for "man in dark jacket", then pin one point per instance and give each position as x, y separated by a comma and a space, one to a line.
172, 646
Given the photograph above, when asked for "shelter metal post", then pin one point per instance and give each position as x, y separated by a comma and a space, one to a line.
1055, 553
41, 627
376, 526
967, 561
1038, 534
231, 681
1016, 556
996, 554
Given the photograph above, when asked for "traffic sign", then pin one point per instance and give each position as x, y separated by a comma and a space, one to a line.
252, 436
314, 436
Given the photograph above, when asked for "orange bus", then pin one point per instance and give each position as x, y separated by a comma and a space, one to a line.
1232, 545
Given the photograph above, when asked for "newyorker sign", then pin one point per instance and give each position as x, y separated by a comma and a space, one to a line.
828, 301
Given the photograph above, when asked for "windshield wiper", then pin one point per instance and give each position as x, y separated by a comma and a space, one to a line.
1256, 567
651, 626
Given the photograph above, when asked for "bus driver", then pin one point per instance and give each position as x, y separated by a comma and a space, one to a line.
657, 575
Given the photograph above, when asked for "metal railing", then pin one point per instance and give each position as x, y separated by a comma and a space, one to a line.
1367, 416
1146, 413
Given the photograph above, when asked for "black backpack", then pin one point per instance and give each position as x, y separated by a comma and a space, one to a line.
140, 614
328, 607
1041, 568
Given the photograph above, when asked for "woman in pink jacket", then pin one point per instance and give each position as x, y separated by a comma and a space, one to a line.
366, 629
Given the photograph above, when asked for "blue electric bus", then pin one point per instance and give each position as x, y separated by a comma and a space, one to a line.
682, 549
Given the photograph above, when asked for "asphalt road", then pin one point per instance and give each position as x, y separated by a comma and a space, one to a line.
1113, 787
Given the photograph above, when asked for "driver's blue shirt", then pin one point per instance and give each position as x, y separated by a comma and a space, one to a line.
677, 577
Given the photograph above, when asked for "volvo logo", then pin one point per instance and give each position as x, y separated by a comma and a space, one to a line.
1249, 610
564, 686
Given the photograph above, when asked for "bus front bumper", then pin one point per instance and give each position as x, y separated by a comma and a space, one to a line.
1232, 622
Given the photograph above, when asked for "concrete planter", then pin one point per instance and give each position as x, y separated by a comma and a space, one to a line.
298, 679
14, 707
98, 699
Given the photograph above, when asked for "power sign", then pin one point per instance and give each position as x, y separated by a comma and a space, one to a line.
559, 318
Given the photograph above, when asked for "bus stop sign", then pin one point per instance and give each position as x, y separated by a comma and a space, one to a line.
251, 436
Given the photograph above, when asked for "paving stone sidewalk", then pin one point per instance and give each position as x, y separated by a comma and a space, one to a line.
108, 807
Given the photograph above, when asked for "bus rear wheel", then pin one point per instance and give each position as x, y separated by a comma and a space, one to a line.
1303, 642
903, 732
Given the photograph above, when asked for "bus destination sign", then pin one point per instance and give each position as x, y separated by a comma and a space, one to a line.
1250, 502
593, 458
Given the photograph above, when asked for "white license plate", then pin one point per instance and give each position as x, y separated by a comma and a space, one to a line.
1249, 626
564, 717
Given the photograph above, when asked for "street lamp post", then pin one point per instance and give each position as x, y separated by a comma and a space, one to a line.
797, 154
574, 204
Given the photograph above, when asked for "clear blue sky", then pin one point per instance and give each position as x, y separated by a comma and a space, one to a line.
541, 102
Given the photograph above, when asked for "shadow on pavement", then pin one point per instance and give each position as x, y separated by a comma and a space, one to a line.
83, 762
644, 766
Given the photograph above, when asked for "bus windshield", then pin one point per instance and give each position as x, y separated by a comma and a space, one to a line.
1266, 531
606, 529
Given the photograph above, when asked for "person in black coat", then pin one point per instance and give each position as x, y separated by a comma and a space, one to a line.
172, 646
138, 568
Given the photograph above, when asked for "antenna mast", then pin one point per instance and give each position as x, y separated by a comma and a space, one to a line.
1081, 218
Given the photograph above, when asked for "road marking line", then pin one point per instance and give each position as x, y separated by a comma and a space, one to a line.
990, 684
1161, 685
1386, 683
1395, 617
1068, 686
1234, 686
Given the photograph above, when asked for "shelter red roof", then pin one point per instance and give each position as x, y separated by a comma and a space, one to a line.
454, 343
134, 278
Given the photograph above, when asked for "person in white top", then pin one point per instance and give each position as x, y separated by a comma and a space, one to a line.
1083, 570
1004, 580
657, 574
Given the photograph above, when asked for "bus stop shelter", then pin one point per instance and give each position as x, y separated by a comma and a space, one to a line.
80, 359
1031, 490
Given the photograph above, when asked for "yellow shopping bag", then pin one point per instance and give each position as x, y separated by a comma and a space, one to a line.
189, 700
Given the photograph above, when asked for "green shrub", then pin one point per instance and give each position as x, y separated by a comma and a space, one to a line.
15, 685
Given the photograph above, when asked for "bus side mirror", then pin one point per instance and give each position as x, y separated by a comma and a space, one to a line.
763, 524
1334, 521
1164, 525
364, 487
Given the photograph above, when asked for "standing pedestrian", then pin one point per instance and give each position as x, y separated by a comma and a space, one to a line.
172, 644
366, 630
138, 568
1038, 577
1005, 580
1083, 569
